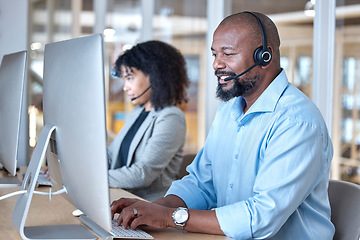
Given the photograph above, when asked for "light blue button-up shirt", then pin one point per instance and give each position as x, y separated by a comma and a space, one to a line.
265, 172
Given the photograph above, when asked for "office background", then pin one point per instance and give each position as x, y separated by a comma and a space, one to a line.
320, 54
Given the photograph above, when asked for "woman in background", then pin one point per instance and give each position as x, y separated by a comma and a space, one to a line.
146, 155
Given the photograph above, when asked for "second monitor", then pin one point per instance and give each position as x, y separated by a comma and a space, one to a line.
13, 115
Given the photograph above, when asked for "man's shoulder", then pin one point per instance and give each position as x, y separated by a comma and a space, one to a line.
295, 105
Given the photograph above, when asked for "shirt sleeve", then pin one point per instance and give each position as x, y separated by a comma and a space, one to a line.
197, 189
194, 189
294, 161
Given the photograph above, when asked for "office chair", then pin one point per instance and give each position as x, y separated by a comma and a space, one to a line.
344, 200
187, 159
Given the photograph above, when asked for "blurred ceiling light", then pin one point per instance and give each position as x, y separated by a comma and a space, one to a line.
310, 8
35, 46
109, 34
127, 47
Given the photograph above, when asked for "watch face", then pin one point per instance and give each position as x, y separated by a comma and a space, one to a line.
181, 216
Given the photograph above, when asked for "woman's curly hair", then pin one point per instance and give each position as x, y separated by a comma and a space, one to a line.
165, 67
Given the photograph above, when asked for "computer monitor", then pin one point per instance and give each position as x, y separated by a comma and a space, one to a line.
13, 115
73, 137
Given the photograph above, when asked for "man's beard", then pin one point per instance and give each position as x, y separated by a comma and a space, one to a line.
240, 88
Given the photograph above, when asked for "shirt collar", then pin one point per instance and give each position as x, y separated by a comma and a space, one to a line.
267, 100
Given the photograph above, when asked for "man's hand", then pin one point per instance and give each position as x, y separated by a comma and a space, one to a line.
118, 205
159, 215
150, 214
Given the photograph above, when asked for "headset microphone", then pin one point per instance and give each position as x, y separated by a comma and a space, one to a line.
262, 55
234, 77
134, 98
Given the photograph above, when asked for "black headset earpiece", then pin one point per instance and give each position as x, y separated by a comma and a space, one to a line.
262, 55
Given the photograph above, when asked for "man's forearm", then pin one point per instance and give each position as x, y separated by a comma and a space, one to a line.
204, 221
171, 201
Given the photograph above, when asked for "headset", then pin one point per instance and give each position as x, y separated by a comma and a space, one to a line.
262, 54
115, 73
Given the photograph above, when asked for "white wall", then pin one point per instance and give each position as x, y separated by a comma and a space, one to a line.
13, 26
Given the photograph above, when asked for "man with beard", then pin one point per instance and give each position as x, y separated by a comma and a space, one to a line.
264, 169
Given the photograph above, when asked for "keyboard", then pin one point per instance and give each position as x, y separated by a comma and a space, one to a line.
120, 232
42, 180
117, 232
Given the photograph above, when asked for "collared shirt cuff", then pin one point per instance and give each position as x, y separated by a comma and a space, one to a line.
234, 220
189, 194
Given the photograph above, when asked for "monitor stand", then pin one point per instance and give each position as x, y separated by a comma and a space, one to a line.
21, 208
6, 182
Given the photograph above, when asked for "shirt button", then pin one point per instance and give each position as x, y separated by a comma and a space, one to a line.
231, 185
236, 156
242, 127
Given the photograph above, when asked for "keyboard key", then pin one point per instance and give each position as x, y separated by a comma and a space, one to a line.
120, 232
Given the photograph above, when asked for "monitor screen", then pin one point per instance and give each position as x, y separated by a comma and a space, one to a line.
13, 111
74, 102
75, 145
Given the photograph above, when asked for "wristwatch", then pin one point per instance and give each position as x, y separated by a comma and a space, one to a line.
180, 217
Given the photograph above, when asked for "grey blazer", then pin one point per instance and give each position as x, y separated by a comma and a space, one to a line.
155, 153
